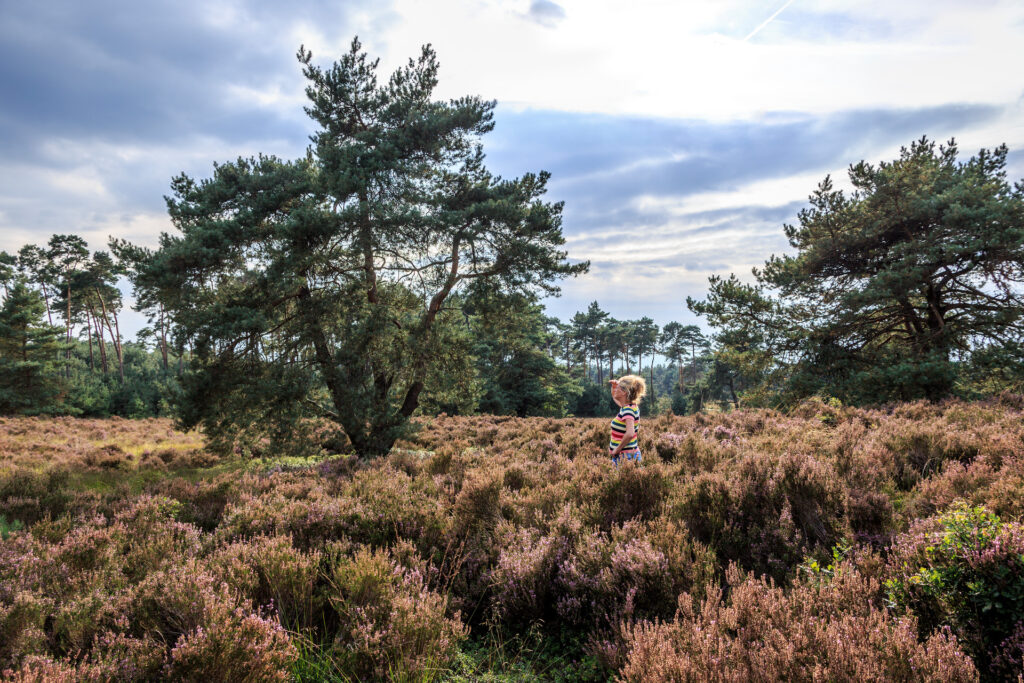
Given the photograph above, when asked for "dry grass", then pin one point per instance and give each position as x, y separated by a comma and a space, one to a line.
42, 444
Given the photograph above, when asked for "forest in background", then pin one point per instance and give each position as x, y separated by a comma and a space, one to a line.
61, 307
62, 352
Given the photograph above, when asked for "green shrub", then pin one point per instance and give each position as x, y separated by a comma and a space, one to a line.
7, 528
963, 569
631, 492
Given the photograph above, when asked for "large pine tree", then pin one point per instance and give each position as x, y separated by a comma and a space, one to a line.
892, 285
319, 287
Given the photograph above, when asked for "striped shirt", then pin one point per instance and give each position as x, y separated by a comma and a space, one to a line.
619, 428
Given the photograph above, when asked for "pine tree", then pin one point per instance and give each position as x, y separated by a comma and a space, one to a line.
29, 376
890, 286
314, 288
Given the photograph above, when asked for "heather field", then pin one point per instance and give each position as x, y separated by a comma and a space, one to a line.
827, 544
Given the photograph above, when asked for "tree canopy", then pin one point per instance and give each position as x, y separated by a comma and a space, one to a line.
29, 383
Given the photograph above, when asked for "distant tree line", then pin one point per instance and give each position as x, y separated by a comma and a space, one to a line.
61, 347
63, 351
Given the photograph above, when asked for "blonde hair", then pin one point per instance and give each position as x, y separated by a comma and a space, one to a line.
634, 386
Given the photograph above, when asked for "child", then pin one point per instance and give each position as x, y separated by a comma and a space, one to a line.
626, 392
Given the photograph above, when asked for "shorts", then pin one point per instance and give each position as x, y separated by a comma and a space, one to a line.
633, 455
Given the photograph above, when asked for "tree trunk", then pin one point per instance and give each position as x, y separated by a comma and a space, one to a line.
120, 351
88, 334
46, 300
113, 339
102, 344
163, 337
693, 355
67, 351
653, 397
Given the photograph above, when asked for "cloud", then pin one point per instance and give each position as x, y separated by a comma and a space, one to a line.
602, 165
658, 205
689, 60
162, 70
546, 13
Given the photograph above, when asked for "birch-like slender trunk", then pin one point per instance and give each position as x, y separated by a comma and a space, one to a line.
653, 398
88, 334
67, 339
113, 337
46, 300
693, 355
163, 337
102, 344
120, 352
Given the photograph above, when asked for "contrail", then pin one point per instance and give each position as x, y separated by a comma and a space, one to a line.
768, 20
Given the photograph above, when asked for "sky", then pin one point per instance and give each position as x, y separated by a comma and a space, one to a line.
681, 135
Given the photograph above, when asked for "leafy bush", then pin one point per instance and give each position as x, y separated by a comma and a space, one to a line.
7, 528
235, 645
631, 492
271, 572
964, 569
214, 633
588, 580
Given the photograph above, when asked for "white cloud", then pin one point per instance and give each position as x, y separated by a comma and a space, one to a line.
92, 188
652, 58
772, 192
272, 96
83, 182
690, 59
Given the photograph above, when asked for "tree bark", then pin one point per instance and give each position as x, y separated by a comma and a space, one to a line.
163, 337
693, 355
113, 339
67, 351
102, 344
653, 397
120, 350
46, 300
88, 335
